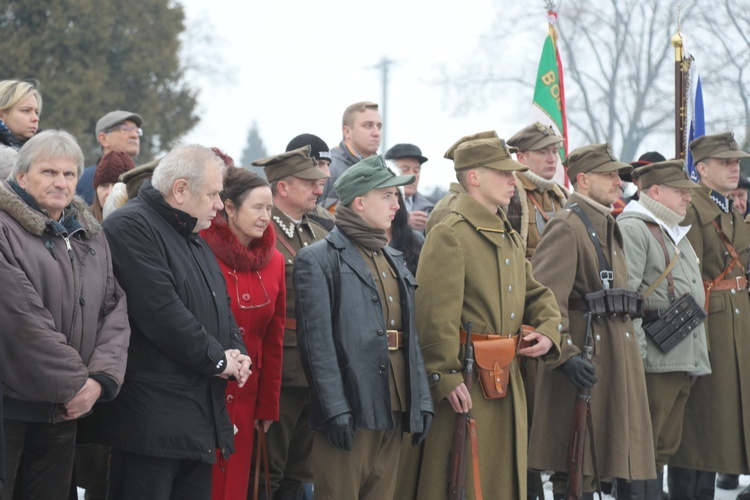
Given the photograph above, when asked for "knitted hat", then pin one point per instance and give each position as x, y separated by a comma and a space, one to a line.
111, 166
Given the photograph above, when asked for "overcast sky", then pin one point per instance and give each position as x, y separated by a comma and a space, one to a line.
293, 66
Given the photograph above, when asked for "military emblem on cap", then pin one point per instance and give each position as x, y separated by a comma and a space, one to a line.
297, 163
721, 145
535, 137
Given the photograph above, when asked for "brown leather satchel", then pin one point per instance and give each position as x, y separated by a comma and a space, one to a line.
493, 356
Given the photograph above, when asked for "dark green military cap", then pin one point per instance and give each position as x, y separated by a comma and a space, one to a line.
366, 175
296, 162
487, 151
533, 137
716, 146
670, 173
596, 158
481, 135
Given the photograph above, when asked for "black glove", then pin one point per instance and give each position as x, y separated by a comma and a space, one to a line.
580, 371
340, 431
418, 437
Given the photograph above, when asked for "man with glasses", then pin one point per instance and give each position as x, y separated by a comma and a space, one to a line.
116, 131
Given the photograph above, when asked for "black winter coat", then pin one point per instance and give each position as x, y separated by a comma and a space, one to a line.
171, 404
340, 336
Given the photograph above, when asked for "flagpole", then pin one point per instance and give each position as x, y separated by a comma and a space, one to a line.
681, 83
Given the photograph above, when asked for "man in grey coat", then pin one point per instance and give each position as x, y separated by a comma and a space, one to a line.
653, 239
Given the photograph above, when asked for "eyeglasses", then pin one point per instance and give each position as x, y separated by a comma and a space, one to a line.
127, 129
240, 299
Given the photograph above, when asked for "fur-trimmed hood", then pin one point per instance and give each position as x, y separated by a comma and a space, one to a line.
230, 251
36, 222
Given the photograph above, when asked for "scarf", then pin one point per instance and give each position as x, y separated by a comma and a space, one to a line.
670, 218
358, 231
228, 249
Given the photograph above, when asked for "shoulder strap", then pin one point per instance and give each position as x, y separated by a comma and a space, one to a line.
730, 249
539, 207
605, 270
286, 244
656, 231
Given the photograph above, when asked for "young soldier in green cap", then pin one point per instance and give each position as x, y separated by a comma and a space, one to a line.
538, 196
659, 256
568, 261
358, 342
295, 182
472, 269
716, 430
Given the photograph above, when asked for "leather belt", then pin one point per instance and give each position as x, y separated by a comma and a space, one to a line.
290, 324
738, 283
480, 336
395, 339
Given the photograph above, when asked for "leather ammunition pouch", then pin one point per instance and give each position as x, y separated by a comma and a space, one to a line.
493, 355
666, 328
615, 302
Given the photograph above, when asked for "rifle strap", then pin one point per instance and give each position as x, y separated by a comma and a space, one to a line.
281, 240
603, 262
590, 426
472, 425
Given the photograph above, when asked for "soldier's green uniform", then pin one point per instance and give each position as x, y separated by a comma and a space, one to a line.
289, 440
716, 430
472, 268
566, 261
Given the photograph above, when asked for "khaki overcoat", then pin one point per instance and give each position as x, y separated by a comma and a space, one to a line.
472, 268
566, 262
716, 429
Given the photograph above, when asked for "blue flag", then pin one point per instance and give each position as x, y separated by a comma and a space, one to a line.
697, 124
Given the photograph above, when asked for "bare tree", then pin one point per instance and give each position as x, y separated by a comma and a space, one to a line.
619, 70
727, 71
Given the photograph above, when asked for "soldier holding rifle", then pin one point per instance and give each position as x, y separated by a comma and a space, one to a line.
580, 263
472, 268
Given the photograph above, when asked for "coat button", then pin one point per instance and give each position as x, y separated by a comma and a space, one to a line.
512, 315
736, 311
510, 288
507, 262
374, 298
230, 399
435, 377
381, 333
246, 297
242, 331
382, 368
627, 334
598, 337
570, 342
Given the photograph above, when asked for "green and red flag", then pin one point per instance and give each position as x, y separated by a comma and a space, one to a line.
549, 93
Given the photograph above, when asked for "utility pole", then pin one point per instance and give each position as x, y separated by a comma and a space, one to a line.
384, 66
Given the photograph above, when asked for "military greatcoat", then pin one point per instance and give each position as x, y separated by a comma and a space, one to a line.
472, 268
716, 429
566, 261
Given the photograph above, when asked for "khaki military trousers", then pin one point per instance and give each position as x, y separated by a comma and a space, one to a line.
367, 472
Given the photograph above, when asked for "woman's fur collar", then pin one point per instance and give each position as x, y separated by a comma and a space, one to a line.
230, 251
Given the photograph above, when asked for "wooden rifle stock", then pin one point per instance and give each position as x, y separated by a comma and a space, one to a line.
577, 440
457, 459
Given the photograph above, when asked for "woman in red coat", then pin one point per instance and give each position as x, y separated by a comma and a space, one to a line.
244, 245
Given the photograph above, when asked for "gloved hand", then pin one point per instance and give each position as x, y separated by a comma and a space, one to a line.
418, 437
580, 371
340, 431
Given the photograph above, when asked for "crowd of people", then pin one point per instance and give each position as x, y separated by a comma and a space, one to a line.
189, 329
